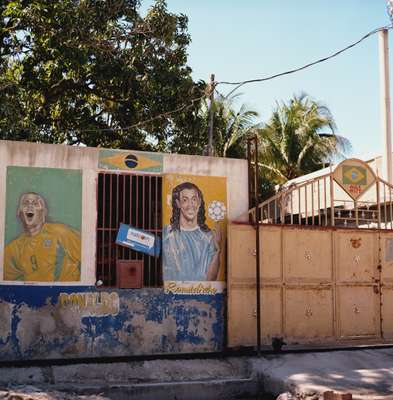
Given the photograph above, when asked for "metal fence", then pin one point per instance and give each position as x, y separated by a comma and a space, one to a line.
321, 202
133, 200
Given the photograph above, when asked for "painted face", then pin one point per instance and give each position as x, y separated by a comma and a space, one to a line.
189, 203
32, 210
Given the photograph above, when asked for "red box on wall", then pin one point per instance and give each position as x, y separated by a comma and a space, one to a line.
129, 274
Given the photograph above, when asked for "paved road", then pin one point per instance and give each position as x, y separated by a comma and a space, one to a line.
367, 374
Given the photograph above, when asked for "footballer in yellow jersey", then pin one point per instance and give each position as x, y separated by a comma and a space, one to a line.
44, 252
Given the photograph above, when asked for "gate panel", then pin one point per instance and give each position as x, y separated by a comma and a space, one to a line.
309, 313
271, 283
356, 256
308, 284
271, 251
241, 286
242, 317
241, 244
307, 255
357, 300
358, 312
387, 312
386, 246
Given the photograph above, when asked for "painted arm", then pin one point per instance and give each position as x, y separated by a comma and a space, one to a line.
68, 257
13, 271
214, 266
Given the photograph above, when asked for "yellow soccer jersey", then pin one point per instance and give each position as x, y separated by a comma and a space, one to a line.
53, 255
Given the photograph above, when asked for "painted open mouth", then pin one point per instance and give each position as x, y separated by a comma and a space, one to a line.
29, 216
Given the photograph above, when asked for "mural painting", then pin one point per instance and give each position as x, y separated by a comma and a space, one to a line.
122, 160
43, 220
194, 233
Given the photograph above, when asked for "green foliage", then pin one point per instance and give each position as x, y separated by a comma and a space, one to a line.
298, 139
231, 126
85, 71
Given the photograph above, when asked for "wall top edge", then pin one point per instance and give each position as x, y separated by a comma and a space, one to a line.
12, 144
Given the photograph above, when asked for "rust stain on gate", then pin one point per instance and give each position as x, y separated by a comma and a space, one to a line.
326, 263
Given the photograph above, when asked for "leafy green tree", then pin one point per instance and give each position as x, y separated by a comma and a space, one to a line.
299, 138
88, 71
231, 126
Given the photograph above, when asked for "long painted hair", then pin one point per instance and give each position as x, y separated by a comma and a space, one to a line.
175, 219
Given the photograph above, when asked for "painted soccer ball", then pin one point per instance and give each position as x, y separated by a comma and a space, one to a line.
217, 210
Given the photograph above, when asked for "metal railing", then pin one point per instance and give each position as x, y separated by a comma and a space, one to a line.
321, 202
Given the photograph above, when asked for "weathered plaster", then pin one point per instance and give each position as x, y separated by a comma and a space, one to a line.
148, 322
5, 320
33, 323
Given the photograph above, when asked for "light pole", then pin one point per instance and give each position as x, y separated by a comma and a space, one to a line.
385, 98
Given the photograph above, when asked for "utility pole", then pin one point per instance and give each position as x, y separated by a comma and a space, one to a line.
210, 151
257, 244
385, 105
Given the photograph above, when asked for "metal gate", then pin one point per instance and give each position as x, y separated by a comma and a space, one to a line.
325, 264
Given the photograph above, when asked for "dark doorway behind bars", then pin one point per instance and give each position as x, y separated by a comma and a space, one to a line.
133, 200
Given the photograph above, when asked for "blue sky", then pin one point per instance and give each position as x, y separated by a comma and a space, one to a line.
239, 40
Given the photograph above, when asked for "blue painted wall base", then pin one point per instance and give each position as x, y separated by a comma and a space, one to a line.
44, 322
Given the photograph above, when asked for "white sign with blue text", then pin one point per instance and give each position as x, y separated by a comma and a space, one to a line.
138, 240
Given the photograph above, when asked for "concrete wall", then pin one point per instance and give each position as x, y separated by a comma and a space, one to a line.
66, 320
38, 322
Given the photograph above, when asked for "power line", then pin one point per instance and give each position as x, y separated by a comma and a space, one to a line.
238, 85
292, 71
140, 124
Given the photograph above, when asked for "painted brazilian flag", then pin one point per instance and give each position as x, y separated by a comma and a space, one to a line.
130, 160
354, 175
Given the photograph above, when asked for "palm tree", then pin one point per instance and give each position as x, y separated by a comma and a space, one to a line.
231, 126
298, 139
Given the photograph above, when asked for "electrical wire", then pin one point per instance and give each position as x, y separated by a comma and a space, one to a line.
141, 123
238, 85
292, 71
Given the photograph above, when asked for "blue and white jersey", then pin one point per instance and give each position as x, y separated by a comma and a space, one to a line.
187, 254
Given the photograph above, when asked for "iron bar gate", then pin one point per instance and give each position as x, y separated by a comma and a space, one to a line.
134, 200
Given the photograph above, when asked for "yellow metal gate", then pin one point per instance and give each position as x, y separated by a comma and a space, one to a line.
317, 285
326, 268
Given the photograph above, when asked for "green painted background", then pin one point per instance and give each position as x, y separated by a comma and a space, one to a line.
61, 188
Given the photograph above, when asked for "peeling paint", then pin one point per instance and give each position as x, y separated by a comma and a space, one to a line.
45, 322
5, 320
